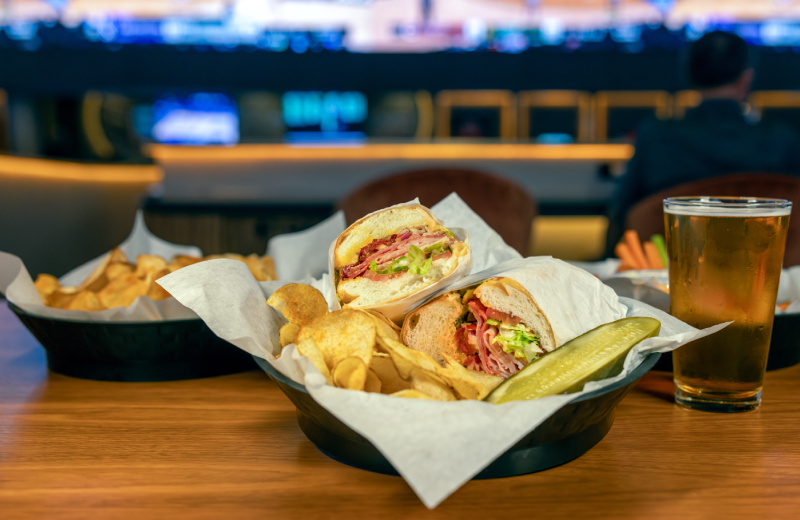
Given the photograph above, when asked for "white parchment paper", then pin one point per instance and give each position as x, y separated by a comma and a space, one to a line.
435, 446
305, 253
17, 285
789, 290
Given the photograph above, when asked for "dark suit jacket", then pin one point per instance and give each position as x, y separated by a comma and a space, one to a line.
713, 139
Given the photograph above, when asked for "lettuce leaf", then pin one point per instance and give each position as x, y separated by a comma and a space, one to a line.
434, 249
523, 344
414, 261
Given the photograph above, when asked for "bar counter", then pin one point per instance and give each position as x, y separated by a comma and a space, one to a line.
230, 447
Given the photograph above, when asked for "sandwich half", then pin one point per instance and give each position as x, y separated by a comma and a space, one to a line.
394, 253
495, 327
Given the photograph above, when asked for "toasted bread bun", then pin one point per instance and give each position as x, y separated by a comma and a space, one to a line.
507, 295
432, 327
378, 225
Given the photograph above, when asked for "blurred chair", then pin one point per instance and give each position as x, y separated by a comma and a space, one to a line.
108, 128
478, 108
56, 215
260, 117
400, 115
555, 112
503, 204
647, 216
618, 113
683, 101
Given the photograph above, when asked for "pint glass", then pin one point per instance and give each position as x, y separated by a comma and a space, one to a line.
725, 256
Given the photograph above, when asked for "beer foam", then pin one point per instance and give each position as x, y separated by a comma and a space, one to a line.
730, 208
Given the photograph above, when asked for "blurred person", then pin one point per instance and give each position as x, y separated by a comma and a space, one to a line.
712, 139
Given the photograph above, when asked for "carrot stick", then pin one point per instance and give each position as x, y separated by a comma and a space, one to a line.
653, 256
624, 254
635, 247
658, 241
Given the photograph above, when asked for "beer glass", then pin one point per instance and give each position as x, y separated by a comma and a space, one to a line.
725, 257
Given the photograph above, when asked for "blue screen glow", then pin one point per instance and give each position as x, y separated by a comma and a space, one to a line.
199, 119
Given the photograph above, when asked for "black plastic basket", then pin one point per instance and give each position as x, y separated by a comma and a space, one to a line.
134, 351
566, 435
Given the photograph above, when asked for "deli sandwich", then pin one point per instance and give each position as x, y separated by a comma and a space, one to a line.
500, 325
495, 328
392, 254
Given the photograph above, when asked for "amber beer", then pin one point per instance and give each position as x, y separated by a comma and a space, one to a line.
725, 257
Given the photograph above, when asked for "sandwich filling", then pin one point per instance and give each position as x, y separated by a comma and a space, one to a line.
495, 342
409, 249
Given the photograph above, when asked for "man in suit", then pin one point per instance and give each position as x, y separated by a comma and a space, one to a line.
712, 139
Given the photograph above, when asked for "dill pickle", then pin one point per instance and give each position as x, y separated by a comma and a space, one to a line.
595, 355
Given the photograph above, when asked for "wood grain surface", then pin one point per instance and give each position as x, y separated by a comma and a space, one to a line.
230, 447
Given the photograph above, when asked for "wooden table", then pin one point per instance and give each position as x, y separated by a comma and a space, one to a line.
230, 447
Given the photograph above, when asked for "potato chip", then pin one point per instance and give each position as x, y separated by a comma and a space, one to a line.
117, 255
268, 266
299, 303
341, 334
155, 291
373, 383
263, 268
181, 261
383, 367
288, 333
149, 264
431, 384
130, 281
85, 301
310, 350
60, 298
406, 359
46, 284
350, 373
229, 256
385, 327
466, 383
117, 269
97, 279
412, 394
122, 291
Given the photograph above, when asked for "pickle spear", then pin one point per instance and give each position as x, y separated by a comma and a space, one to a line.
595, 355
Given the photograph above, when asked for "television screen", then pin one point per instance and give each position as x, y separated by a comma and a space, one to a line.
395, 25
199, 119
324, 115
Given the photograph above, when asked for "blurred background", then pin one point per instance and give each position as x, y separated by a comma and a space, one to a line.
231, 121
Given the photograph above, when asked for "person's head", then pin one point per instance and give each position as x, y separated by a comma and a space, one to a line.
719, 66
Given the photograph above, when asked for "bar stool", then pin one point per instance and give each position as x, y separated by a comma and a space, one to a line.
502, 102
638, 104
537, 103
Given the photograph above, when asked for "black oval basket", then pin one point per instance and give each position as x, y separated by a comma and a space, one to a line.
566, 435
134, 351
